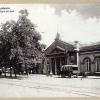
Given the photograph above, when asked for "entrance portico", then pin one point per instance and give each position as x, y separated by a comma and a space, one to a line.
60, 53
56, 63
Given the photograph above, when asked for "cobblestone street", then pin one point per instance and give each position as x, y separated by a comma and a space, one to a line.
47, 86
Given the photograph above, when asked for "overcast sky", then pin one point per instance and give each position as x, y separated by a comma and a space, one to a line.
73, 21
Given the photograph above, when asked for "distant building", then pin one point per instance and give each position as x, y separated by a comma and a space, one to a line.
61, 53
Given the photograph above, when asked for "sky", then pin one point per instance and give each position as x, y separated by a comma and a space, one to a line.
74, 22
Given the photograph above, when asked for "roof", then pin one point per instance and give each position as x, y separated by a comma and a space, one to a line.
60, 45
92, 47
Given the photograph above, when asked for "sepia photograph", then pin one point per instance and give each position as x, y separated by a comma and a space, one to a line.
50, 50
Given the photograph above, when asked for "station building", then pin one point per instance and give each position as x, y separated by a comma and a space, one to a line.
61, 53
90, 59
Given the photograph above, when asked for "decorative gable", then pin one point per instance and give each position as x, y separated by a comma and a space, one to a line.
59, 46
57, 50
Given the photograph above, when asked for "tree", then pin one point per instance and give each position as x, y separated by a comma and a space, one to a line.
18, 40
6, 43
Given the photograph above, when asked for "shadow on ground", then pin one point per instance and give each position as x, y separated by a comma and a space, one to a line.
13, 77
92, 77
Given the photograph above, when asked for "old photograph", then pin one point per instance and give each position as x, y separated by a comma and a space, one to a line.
50, 50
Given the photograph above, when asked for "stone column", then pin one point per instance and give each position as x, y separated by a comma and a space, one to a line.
55, 66
77, 51
78, 62
50, 66
60, 62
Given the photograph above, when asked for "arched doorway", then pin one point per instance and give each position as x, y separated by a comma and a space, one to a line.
87, 64
97, 64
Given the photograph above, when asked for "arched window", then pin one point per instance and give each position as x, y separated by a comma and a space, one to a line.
97, 63
87, 64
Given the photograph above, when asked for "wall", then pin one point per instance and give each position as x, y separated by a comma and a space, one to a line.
91, 55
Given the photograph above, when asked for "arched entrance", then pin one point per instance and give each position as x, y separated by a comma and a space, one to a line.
87, 64
97, 64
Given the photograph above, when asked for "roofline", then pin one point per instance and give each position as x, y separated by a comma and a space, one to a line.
61, 41
49, 46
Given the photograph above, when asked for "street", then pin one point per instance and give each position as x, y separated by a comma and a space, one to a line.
49, 86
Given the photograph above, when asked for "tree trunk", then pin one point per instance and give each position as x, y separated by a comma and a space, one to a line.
10, 72
5, 72
15, 73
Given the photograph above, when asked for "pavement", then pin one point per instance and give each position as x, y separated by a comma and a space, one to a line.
37, 85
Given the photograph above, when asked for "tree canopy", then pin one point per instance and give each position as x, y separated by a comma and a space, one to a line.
18, 42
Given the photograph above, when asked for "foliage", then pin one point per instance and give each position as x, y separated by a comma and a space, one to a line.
18, 40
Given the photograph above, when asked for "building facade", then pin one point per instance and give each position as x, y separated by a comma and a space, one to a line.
90, 59
61, 53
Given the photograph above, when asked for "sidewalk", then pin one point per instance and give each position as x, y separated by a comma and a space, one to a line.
93, 77
88, 77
